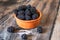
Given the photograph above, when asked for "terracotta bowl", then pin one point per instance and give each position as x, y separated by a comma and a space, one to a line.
29, 24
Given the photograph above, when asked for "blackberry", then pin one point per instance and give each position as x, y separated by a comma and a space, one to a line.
27, 12
34, 16
22, 7
21, 17
21, 13
27, 17
28, 7
16, 12
39, 29
24, 36
11, 29
33, 10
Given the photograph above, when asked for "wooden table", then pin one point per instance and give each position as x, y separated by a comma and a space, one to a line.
49, 9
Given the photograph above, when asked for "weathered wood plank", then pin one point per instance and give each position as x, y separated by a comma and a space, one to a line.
42, 4
34, 2
56, 31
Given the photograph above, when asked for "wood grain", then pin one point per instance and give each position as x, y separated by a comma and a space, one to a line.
56, 31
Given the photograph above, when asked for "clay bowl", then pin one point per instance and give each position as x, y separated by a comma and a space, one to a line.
29, 24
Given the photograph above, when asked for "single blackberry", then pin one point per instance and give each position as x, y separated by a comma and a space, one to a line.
39, 29
21, 17
22, 7
27, 12
21, 13
33, 10
34, 16
24, 36
11, 29
27, 17
16, 12
28, 7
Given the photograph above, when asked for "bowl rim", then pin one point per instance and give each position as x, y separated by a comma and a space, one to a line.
40, 16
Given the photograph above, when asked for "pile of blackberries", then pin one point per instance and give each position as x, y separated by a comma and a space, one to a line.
26, 12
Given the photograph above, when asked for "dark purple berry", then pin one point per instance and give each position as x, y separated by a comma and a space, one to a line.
27, 12
34, 16
28, 7
24, 36
11, 29
22, 7
21, 17
27, 17
16, 12
21, 13
33, 10
39, 29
